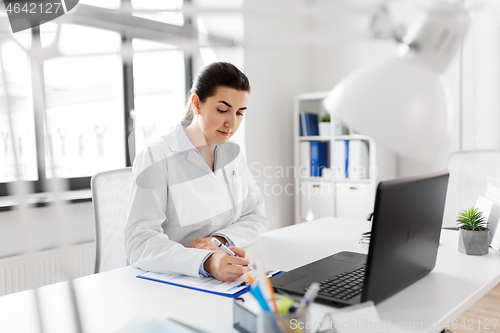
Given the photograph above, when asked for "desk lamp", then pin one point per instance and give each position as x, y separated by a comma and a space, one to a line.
403, 102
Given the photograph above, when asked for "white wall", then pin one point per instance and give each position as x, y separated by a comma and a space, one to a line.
331, 62
280, 69
481, 77
45, 229
276, 73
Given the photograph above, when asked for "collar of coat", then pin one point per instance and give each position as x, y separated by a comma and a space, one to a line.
178, 141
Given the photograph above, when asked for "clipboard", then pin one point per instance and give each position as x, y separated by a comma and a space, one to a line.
205, 284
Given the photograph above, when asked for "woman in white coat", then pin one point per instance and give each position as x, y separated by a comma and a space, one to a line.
193, 184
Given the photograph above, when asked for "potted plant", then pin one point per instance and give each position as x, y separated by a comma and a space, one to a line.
324, 126
473, 238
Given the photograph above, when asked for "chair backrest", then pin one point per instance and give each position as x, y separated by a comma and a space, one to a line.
468, 171
110, 195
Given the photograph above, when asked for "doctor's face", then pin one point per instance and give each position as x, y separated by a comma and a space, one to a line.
222, 113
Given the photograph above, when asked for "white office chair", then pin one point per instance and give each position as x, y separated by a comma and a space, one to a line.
468, 171
110, 195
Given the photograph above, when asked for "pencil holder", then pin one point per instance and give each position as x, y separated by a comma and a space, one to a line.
248, 317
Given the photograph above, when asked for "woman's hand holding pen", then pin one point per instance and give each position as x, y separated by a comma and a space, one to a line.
225, 267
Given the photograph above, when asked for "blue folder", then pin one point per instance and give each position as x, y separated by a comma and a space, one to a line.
319, 157
308, 124
346, 158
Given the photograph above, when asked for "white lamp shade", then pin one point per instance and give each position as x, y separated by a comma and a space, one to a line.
401, 105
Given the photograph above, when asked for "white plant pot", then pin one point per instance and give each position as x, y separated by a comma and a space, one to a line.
474, 243
325, 129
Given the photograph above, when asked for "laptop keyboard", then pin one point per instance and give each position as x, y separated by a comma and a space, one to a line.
345, 285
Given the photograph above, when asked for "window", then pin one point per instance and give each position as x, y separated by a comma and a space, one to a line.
150, 9
85, 85
111, 4
159, 90
16, 80
84, 103
93, 97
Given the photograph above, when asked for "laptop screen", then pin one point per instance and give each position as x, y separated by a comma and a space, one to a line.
405, 233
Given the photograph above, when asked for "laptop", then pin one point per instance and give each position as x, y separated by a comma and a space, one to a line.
403, 247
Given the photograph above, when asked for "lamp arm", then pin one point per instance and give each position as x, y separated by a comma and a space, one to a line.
382, 25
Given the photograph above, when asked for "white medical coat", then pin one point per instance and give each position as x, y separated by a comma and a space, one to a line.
176, 198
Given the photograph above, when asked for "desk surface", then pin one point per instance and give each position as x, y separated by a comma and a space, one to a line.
109, 300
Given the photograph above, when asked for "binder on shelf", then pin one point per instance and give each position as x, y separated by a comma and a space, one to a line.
308, 124
340, 159
358, 160
352, 159
346, 165
319, 157
305, 159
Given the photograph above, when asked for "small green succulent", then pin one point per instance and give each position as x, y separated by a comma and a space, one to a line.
326, 118
471, 219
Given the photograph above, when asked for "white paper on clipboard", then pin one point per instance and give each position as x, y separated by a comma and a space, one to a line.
493, 195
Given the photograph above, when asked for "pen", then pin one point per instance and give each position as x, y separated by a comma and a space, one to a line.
223, 247
260, 281
257, 293
271, 290
250, 280
310, 295
273, 297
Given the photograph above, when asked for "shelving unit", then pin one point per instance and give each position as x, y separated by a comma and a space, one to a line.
317, 197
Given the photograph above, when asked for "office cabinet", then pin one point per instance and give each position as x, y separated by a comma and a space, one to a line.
345, 186
316, 200
354, 200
